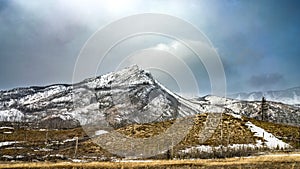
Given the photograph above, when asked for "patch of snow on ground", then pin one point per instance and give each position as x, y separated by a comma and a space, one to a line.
100, 132
68, 140
8, 132
8, 143
8, 156
57, 155
44, 149
11, 128
271, 140
210, 149
200, 148
78, 161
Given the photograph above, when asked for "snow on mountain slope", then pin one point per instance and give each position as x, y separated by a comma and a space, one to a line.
276, 112
124, 97
288, 96
119, 98
11, 115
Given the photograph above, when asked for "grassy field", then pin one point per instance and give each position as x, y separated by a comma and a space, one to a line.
51, 145
267, 161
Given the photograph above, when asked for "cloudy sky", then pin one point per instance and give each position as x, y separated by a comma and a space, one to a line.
258, 41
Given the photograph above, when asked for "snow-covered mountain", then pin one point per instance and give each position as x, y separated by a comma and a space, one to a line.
276, 112
288, 96
128, 96
120, 98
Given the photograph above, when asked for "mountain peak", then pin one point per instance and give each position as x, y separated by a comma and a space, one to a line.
133, 67
132, 75
127, 96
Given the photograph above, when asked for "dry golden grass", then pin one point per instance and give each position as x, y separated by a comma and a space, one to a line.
267, 161
234, 131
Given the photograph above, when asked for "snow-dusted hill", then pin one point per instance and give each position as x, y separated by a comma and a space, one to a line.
289, 96
120, 98
276, 111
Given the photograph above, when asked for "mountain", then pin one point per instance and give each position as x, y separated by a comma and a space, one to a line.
117, 99
124, 97
288, 96
131, 102
275, 112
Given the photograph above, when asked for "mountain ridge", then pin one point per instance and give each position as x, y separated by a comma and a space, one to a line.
287, 96
128, 96
129, 90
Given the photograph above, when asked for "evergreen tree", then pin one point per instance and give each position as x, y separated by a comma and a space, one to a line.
264, 108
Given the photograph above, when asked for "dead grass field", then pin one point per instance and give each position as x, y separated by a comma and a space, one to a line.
267, 161
35, 142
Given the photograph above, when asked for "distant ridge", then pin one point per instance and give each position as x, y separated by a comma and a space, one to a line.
288, 96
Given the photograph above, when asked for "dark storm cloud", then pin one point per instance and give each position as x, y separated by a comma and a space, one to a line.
38, 46
252, 35
266, 80
40, 40
247, 53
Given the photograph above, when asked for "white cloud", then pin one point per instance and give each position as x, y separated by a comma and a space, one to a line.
201, 70
167, 62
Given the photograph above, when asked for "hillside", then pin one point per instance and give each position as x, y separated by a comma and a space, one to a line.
128, 96
234, 134
130, 114
276, 112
